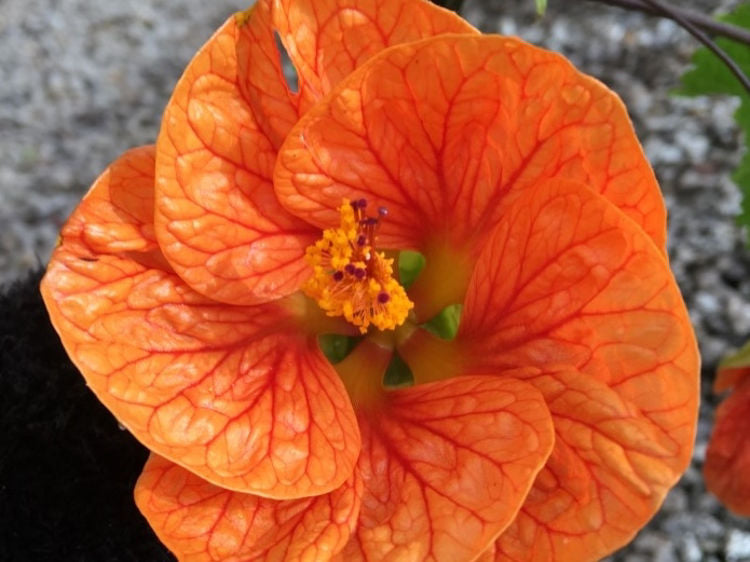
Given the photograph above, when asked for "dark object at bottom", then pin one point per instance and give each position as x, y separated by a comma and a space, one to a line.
66, 470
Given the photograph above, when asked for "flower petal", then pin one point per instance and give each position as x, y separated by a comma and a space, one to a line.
327, 41
115, 217
446, 466
200, 522
609, 472
728, 454
441, 130
236, 394
568, 279
217, 217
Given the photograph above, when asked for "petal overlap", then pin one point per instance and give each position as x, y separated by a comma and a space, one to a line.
118, 211
445, 466
441, 130
237, 394
568, 279
608, 473
217, 219
201, 522
328, 39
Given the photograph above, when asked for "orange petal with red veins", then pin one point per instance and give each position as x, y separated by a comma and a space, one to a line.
440, 131
610, 469
200, 522
116, 215
567, 279
217, 217
446, 466
326, 40
236, 394
728, 455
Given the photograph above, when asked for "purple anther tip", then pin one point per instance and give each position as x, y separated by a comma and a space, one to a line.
359, 273
383, 297
361, 240
362, 203
338, 276
383, 211
371, 221
349, 268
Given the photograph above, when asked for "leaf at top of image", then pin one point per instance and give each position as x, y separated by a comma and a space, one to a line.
708, 74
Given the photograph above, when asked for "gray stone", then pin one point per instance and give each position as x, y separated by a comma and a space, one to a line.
689, 548
675, 502
738, 546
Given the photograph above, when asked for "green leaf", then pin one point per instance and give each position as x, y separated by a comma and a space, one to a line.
445, 324
710, 76
398, 374
738, 360
336, 347
410, 265
541, 7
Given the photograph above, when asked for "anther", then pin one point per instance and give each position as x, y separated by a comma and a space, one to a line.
352, 279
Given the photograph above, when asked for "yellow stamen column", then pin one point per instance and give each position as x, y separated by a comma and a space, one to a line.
353, 280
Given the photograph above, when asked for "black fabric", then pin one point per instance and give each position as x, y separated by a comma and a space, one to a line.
66, 469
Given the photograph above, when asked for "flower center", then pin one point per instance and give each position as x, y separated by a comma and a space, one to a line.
350, 278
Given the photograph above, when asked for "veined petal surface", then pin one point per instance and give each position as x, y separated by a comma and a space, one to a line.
236, 394
200, 522
440, 131
217, 218
728, 455
567, 280
446, 466
608, 473
328, 39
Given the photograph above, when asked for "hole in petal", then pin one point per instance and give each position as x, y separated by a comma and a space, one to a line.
290, 73
337, 347
410, 265
398, 374
445, 324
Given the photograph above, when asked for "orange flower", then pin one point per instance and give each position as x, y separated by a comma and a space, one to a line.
728, 455
192, 283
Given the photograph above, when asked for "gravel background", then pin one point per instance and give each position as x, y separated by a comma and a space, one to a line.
81, 81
